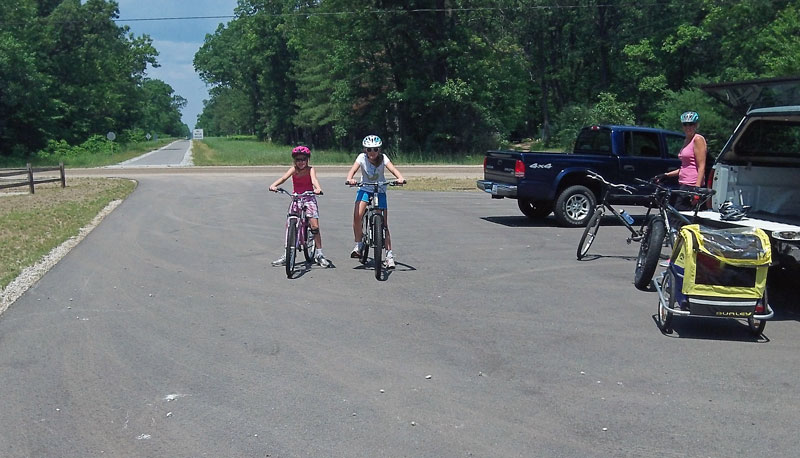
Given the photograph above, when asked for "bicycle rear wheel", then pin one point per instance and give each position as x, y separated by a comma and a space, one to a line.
291, 246
365, 239
590, 232
377, 239
308, 243
649, 252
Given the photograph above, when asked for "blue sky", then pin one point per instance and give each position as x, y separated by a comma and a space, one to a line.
177, 41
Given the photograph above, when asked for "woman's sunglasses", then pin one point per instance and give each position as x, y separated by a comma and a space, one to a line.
689, 123
373, 150
301, 159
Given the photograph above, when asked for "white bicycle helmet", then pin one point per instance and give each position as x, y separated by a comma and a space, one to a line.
372, 141
690, 117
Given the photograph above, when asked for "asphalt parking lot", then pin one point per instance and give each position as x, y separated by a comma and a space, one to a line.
167, 333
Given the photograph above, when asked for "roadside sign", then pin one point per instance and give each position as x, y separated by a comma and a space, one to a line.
111, 136
197, 134
147, 136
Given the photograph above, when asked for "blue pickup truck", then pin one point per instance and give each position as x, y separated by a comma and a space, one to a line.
557, 182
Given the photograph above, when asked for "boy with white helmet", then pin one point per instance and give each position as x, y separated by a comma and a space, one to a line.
372, 163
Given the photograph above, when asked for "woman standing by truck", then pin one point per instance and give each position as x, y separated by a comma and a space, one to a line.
693, 157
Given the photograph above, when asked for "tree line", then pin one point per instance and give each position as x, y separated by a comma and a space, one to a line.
69, 73
460, 76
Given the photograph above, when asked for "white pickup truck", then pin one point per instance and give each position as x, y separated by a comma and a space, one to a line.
759, 167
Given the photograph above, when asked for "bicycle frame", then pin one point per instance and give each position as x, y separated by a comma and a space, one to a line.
590, 232
661, 198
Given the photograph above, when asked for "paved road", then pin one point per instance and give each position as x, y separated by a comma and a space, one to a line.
175, 154
166, 333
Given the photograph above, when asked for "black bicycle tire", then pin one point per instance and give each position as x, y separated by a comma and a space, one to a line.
592, 227
309, 241
649, 254
377, 235
365, 239
291, 247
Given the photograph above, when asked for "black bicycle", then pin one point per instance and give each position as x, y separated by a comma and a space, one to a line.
373, 226
590, 232
663, 226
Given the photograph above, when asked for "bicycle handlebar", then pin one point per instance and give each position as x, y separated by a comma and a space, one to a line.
294, 194
377, 183
596, 176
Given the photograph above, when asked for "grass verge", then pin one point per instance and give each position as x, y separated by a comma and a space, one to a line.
439, 184
249, 151
33, 224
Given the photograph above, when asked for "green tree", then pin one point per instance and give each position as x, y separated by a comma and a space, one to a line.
160, 110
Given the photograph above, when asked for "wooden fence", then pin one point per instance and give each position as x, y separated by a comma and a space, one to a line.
28, 178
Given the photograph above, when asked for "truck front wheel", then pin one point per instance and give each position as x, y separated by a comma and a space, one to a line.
535, 209
574, 206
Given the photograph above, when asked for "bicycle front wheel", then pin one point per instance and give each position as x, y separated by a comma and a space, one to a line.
590, 232
377, 239
291, 247
649, 252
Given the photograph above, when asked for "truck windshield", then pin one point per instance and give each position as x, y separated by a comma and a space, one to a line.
770, 138
594, 141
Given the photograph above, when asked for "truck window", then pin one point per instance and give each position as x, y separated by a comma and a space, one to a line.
642, 144
770, 138
592, 141
674, 145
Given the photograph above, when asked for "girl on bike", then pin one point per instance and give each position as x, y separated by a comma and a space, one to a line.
304, 178
372, 163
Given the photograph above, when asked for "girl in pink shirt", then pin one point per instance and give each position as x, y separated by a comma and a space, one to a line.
304, 178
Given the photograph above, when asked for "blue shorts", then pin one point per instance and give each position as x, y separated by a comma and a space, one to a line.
363, 196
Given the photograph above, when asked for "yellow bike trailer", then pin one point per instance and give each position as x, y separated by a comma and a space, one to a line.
720, 273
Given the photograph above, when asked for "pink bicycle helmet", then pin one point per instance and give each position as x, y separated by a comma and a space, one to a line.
301, 150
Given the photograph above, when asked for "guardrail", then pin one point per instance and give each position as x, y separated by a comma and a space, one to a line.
30, 180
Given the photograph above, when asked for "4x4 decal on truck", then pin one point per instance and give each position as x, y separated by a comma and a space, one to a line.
536, 165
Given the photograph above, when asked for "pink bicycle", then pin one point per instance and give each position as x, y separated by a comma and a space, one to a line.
297, 230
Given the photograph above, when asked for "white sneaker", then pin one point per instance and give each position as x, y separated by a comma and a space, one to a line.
280, 261
356, 253
320, 259
390, 260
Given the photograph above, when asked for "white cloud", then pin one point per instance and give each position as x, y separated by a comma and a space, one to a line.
177, 41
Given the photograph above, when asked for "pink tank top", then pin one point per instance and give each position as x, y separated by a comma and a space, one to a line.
302, 183
688, 172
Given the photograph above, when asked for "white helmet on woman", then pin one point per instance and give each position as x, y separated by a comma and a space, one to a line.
372, 141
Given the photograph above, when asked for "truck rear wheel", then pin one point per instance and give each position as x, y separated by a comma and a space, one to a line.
574, 206
535, 209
